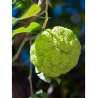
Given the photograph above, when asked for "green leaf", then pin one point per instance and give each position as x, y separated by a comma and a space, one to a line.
39, 92
44, 95
14, 2
13, 31
33, 10
14, 20
44, 77
32, 26
19, 5
58, 80
35, 96
26, 7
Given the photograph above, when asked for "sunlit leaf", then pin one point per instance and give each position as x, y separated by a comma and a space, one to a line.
14, 20
32, 26
33, 10
39, 92
44, 77
13, 31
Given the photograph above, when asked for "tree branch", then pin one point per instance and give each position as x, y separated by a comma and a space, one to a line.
30, 75
20, 48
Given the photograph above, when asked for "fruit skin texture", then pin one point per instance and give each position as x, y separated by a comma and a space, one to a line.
55, 52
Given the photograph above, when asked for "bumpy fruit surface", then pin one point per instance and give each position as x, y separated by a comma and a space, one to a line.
55, 51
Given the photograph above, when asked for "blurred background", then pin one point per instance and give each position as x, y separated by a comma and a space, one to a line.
66, 13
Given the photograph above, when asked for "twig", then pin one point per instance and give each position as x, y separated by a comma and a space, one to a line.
22, 44
30, 75
32, 38
17, 54
46, 13
42, 12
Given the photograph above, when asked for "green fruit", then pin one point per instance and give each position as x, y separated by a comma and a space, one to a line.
55, 51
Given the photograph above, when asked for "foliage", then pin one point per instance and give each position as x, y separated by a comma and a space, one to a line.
41, 94
32, 26
23, 5
33, 10
14, 20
